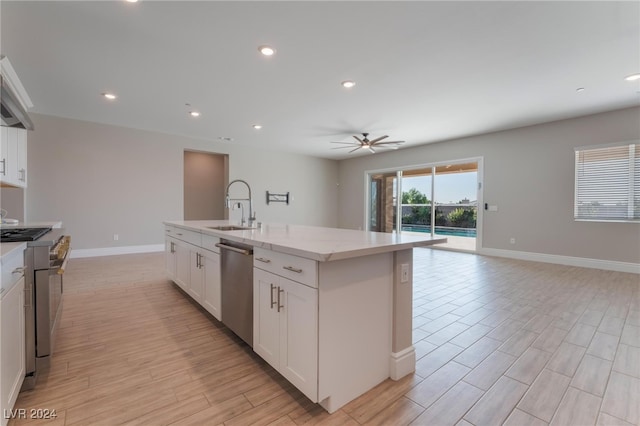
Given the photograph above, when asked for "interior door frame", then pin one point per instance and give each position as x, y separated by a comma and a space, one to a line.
398, 170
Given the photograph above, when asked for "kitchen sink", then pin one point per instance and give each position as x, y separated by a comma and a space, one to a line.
228, 228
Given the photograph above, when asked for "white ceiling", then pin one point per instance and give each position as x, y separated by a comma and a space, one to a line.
424, 71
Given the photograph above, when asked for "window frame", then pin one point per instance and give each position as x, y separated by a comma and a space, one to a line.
632, 185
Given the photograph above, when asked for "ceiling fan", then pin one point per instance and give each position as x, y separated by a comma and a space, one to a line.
364, 143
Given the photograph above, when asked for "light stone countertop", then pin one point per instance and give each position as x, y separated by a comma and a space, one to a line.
50, 224
7, 249
312, 242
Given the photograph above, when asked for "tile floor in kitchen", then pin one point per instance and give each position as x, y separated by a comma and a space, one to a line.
498, 341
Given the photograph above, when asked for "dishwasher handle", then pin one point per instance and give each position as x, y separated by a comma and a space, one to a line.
236, 249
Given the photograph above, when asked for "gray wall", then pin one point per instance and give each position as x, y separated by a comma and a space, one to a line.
529, 174
101, 180
13, 201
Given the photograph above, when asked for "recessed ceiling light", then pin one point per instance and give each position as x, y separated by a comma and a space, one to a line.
633, 77
131, 1
194, 113
109, 96
267, 50
257, 126
580, 89
348, 84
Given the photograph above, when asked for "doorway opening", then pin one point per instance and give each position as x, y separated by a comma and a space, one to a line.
205, 180
439, 199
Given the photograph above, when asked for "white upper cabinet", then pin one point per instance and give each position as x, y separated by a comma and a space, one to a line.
13, 156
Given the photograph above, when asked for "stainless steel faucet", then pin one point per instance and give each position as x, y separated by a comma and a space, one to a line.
240, 206
228, 200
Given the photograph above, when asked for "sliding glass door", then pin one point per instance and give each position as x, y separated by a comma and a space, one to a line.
416, 208
439, 199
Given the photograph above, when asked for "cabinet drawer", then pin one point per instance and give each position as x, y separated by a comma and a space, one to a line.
191, 237
299, 269
169, 231
209, 242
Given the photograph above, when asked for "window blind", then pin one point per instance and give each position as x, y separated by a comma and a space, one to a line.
608, 183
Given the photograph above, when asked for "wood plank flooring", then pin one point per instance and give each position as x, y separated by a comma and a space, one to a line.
498, 342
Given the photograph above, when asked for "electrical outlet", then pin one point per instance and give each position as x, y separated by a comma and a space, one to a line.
512, 240
115, 237
404, 273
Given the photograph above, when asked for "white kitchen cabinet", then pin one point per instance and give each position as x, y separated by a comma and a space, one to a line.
183, 264
266, 319
12, 346
285, 329
22, 158
13, 156
195, 289
170, 258
195, 269
211, 299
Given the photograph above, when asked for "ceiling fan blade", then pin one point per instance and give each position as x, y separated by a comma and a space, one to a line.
355, 149
372, 150
378, 139
346, 143
390, 143
343, 147
358, 139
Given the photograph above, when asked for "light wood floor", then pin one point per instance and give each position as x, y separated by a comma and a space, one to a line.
499, 342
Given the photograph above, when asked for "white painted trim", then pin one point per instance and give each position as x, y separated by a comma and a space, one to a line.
110, 251
402, 363
609, 265
14, 83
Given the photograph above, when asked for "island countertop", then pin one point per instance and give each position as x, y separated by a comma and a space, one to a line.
312, 242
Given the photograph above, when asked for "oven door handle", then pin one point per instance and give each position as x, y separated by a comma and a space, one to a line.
60, 269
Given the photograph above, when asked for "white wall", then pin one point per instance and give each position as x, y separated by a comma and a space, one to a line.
529, 174
102, 180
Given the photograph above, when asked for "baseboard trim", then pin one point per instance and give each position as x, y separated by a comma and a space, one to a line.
609, 265
111, 251
402, 363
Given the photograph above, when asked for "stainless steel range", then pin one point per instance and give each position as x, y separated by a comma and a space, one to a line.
45, 260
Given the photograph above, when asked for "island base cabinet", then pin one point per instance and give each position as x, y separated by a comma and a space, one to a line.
211, 298
285, 329
195, 289
12, 347
355, 327
266, 319
170, 258
183, 265
193, 263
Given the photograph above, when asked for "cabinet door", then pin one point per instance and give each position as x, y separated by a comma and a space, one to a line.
183, 264
170, 258
196, 278
212, 296
12, 350
4, 152
21, 165
299, 336
9, 154
266, 321
12, 156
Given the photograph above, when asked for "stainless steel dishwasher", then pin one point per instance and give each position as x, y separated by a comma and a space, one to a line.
236, 268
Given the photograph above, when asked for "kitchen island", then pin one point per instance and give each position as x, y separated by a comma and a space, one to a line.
332, 307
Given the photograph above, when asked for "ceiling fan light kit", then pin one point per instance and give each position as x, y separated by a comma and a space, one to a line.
364, 143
